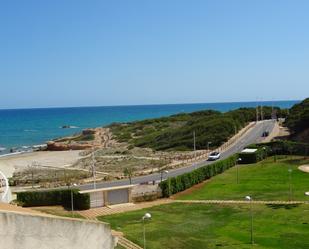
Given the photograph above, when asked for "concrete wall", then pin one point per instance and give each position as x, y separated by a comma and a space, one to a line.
23, 231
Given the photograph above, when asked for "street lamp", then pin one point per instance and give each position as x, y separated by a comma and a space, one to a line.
162, 172
72, 200
290, 183
147, 216
249, 198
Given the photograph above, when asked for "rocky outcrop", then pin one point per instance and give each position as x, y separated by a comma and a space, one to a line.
59, 146
89, 138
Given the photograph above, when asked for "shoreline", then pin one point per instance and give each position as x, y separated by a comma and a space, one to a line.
38, 132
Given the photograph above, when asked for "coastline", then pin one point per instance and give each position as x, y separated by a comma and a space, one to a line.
26, 128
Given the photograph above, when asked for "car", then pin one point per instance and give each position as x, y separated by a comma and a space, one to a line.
214, 156
265, 134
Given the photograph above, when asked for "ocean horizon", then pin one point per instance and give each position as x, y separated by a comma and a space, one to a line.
22, 128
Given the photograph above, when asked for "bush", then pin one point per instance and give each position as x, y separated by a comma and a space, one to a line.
54, 197
179, 183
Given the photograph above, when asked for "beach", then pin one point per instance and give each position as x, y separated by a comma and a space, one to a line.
55, 159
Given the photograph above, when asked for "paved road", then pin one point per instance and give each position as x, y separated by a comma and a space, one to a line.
250, 137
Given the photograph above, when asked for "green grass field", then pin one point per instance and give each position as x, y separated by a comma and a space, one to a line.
200, 226
203, 226
266, 180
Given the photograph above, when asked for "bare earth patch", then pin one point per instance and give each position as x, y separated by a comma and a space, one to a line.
304, 168
190, 190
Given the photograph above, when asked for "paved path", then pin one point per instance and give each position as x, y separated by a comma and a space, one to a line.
125, 242
121, 208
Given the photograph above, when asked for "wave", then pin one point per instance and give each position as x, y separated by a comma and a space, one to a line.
30, 130
2, 149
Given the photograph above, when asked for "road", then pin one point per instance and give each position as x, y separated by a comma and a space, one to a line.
250, 137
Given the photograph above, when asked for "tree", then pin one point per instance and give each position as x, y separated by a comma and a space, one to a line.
128, 172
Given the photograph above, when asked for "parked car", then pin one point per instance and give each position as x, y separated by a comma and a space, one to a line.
265, 134
214, 156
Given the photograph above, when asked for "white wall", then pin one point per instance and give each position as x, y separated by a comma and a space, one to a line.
23, 231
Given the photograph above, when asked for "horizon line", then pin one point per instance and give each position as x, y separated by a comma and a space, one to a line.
134, 105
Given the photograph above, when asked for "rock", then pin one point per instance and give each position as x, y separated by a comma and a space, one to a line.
58, 146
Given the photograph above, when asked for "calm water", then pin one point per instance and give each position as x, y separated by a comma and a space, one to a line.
26, 127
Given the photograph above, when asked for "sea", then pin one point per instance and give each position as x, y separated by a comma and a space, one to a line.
20, 129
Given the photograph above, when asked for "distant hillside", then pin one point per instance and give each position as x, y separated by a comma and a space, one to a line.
176, 132
298, 121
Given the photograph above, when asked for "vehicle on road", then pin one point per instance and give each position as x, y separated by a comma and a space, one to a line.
265, 134
214, 156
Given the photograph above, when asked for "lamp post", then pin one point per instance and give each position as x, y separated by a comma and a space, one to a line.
147, 216
290, 183
162, 172
249, 198
72, 199
208, 143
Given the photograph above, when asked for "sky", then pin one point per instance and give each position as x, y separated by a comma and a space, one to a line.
126, 52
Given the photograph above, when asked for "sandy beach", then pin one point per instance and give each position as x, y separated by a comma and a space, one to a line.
60, 159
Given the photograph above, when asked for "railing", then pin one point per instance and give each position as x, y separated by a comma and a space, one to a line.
5, 193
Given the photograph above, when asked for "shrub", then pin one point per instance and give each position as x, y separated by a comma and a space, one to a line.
179, 183
285, 148
54, 197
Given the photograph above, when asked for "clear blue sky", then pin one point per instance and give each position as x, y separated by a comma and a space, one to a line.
118, 52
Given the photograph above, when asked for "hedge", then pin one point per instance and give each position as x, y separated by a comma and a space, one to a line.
285, 148
54, 197
179, 183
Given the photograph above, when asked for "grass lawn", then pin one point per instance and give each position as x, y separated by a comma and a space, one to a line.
200, 226
266, 180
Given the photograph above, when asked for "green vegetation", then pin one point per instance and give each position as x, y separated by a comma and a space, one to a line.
283, 148
129, 173
192, 225
54, 197
266, 180
197, 226
179, 183
298, 119
176, 132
